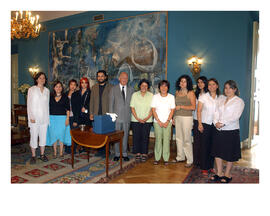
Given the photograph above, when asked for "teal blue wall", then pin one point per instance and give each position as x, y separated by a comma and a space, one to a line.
222, 39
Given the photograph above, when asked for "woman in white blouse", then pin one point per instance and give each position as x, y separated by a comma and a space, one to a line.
202, 88
205, 114
38, 115
163, 105
226, 136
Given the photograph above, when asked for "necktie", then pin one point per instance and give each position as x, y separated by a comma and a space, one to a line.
123, 92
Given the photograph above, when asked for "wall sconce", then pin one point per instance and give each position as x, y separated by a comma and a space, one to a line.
194, 64
33, 71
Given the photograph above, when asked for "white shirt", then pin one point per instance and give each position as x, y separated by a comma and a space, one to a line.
229, 113
38, 105
125, 89
163, 106
195, 111
209, 107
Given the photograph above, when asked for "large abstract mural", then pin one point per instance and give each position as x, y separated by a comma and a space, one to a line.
136, 45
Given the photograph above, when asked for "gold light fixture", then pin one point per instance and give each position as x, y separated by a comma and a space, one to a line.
33, 71
24, 25
195, 66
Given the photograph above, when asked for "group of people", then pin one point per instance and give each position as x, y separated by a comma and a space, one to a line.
210, 117
52, 115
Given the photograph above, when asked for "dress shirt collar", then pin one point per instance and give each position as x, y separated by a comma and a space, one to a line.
121, 86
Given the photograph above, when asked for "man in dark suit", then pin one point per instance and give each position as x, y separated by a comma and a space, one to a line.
120, 96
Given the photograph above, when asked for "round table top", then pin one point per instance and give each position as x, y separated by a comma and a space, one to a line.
90, 139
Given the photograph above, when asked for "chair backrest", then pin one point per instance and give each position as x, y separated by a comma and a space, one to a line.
20, 114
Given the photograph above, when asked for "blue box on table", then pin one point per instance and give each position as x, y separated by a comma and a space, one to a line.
103, 124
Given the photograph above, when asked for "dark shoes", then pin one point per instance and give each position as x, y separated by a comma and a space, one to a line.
222, 179
126, 158
144, 158
138, 157
141, 158
33, 160
156, 162
215, 178
177, 161
117, 158
225, 179
43, 158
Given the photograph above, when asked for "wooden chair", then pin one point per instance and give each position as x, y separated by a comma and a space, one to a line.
20, 114
19, 130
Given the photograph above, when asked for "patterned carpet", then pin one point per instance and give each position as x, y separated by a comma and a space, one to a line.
239, 175
60, 170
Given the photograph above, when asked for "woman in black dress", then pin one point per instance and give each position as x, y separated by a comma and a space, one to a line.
74, 102
226, 137
84, 117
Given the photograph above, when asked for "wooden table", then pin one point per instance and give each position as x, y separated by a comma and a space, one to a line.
89, 139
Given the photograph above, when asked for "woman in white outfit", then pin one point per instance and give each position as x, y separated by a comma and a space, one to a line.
226, 136
205, 115
38, 115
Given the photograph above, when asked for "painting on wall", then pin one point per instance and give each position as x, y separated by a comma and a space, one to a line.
136, 45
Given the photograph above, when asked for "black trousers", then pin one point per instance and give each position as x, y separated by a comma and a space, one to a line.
196, 143
68, 148
84, 118
140, 136
206, 160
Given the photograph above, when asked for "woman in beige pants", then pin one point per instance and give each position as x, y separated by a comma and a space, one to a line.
185, 103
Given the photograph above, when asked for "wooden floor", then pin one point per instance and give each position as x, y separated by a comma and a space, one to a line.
172, 173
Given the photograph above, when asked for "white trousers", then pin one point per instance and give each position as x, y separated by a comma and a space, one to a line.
183, 127
38, 131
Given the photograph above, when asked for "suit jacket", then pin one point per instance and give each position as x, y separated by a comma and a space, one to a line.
94, 99
118, 105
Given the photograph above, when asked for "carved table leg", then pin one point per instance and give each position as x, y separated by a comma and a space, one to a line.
72, 153
107, 159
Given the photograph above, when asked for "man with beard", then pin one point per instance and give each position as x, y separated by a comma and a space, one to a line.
99, 100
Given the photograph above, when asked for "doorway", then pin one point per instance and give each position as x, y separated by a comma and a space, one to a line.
254, 118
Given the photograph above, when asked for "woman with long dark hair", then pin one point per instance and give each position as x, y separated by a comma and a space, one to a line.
74, 104
226, 136
201, 88
84, 117
59, 129
185, 103
38, 115
205, 114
